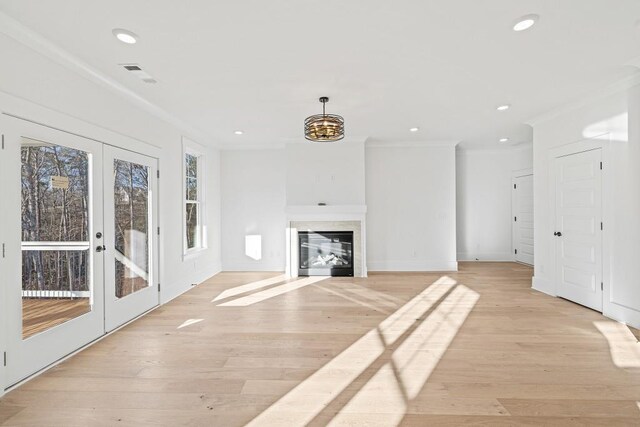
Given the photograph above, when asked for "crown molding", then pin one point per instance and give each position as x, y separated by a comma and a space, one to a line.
517, 146
593, 96
247, 147
372, 143
43, 46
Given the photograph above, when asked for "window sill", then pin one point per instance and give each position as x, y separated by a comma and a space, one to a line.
193, 253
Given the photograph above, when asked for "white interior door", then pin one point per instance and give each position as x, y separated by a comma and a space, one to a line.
523, 219
131, 244
578, 232
52, 276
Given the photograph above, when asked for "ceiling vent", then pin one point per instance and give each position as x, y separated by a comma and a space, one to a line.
139, 72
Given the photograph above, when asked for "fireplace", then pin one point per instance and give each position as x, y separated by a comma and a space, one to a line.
325, 253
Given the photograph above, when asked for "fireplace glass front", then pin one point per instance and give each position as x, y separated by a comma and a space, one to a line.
325, 253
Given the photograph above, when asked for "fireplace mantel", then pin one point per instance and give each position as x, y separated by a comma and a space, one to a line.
315, 212
326, 218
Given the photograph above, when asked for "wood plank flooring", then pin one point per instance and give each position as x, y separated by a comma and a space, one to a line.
40, 314
475, 347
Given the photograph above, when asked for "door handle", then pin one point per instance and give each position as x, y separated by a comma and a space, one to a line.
101, 248
557, 233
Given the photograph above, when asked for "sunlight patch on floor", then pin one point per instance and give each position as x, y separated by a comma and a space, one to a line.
349, 298
412, 362
391, 387
232, 292
272, 292
189, 322
418, 355
381, 395
623, 345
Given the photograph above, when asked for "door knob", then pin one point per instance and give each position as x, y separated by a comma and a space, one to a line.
101, 248
557, 233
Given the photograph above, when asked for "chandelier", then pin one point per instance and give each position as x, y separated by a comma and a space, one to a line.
324, 127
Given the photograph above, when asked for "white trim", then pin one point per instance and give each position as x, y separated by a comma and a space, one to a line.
516, 146
197, 150
521, 172
247, 147
591, 98
486, 257
373, 143
33, 40
544, 285
401, 265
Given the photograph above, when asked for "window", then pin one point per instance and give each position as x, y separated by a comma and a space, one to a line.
194, 228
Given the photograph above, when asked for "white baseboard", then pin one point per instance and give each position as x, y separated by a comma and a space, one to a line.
489, 256
252, 266
544, 285
622, 314
169, 293
412, 266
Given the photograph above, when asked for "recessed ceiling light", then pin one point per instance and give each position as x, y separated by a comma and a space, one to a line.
238, 132
125, 36
414, 129
504, 139
525, 22
503, 107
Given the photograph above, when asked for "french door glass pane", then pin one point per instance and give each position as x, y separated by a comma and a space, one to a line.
131, 208
56, 265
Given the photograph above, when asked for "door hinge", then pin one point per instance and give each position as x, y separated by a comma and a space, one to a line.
516, 251
3, 141
158, 173
158, 287
600, 165
5, 358
158, 231
3, 251
601, 226
602, 286
514, 186
515, 218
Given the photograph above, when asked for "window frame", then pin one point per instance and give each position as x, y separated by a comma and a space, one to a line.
191, 148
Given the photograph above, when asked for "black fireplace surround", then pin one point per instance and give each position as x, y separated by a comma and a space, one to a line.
325, 253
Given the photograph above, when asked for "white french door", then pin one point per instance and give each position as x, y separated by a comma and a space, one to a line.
578, 235
52, 275
523, 219
79, 254
131, 270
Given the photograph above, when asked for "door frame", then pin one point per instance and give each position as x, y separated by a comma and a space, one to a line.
514, 178
601, 142
28, 111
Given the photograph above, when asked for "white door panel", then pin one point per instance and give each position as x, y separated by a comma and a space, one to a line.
131, 268
523, 219
578, 236
52, 274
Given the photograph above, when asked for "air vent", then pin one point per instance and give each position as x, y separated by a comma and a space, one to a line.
139, 72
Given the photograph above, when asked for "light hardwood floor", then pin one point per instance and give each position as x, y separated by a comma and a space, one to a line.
473, 347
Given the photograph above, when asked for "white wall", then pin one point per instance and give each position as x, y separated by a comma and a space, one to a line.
411, 208
30, 81
329, 173
614, 122
484, 192
253, 203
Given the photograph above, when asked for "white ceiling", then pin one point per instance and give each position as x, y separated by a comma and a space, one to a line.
260, 66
